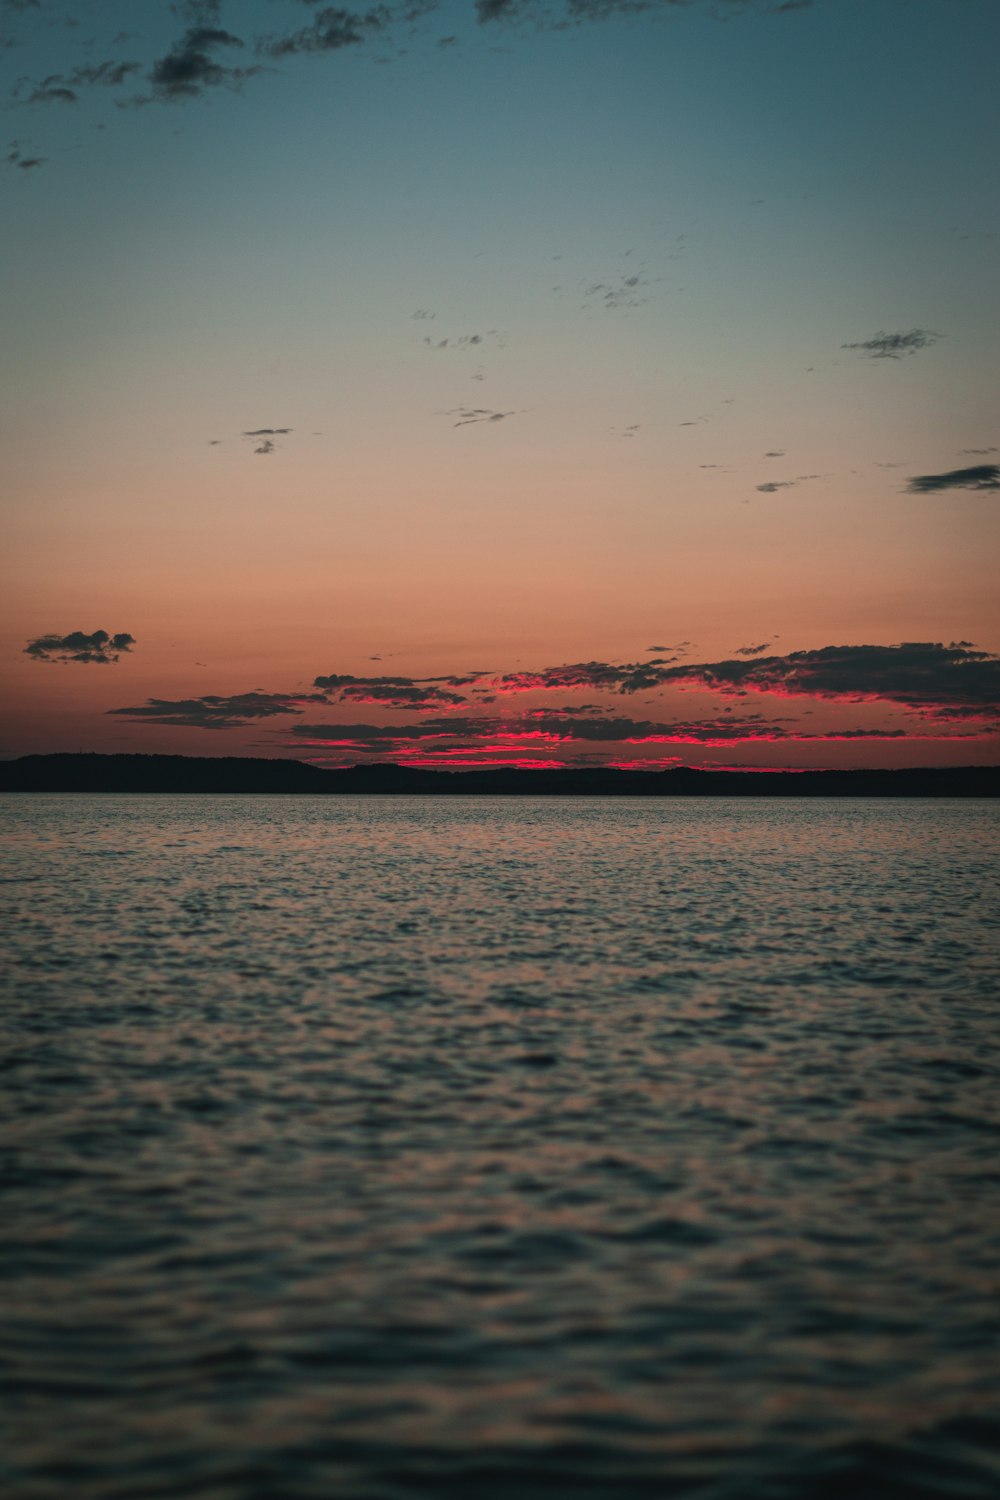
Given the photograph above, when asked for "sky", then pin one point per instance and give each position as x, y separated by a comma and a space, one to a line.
610, 382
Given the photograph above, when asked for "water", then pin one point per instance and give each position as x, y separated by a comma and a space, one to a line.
403, 1149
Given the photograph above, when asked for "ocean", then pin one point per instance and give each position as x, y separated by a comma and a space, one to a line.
391, 1149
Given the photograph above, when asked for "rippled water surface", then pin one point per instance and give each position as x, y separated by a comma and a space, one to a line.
401, 1149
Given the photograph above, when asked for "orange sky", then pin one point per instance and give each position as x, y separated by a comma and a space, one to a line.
494, 358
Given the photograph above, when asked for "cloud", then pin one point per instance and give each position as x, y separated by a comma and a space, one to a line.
265, 437
394, 692
945, 682
52, 93
332, 29
627, 677
110, 74
469, 414
98, 649
979, 477
401, 697
467, 340
884, 345
772, 486
623, 291
61, 88
600, 10
15, 158
951, 681
213, 711
189, 67
565, 728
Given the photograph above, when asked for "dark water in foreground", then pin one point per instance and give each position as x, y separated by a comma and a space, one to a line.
403, 1150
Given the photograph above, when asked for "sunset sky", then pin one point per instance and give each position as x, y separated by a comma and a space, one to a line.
464, 384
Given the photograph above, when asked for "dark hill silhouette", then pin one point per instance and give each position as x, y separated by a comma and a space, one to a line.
233, 774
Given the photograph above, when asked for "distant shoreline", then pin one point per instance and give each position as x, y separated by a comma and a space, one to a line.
232, 775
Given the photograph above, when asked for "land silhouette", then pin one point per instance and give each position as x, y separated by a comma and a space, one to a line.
242, 775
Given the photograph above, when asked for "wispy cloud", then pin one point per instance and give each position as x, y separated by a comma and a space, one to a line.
625, 677
397, 692
469, 414
466, 341
542, 13
884, 345
332, 29
264, 437
15, 157
214, 711
772, 486
63, 88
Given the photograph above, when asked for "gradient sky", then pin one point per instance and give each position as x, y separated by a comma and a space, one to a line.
638, 361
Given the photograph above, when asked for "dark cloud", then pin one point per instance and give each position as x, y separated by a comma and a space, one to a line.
266, 446
979, 477
268, 431
894, 345
497, 10
415, 697
628, 677
332, 29
98, 649
980, 451
458, 680
190, 67
216, 712
929, 677
946, 681
564, 727
394, 692
952, 681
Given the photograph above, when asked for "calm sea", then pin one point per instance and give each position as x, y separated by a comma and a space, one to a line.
491, 1150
